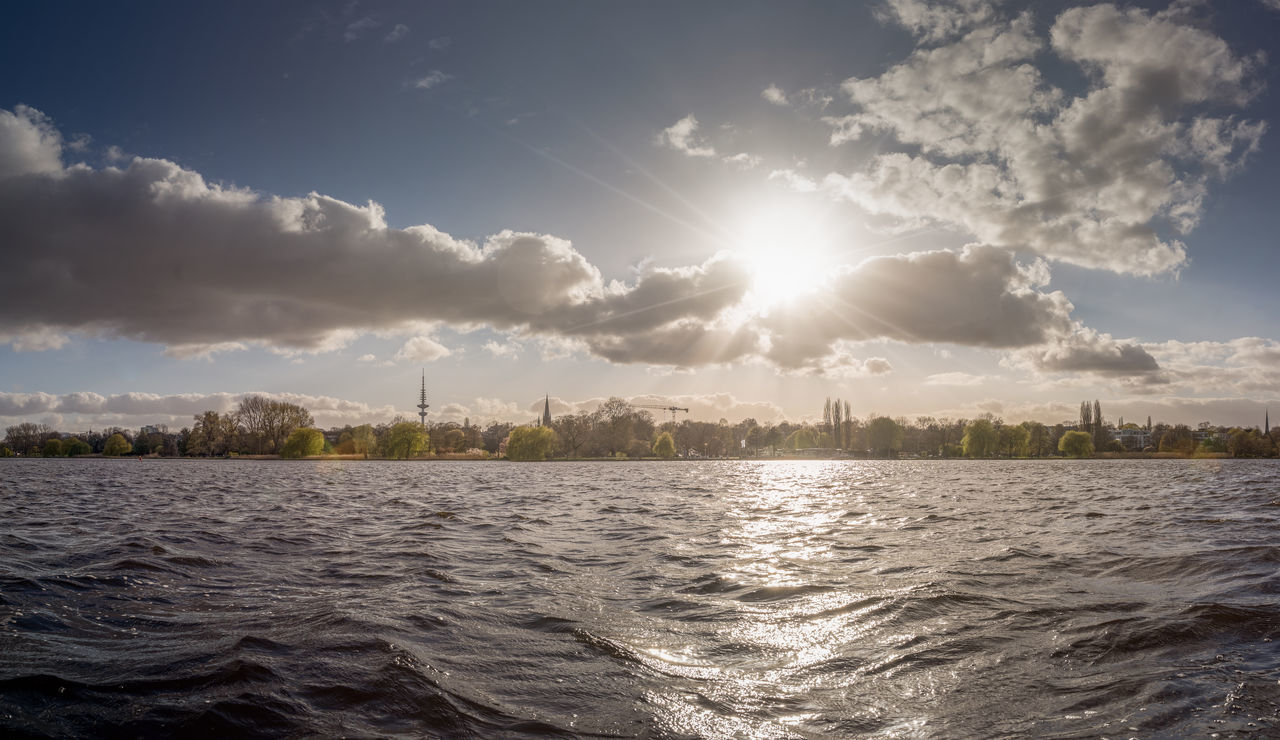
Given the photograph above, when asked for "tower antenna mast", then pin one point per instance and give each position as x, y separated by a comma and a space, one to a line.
422, 400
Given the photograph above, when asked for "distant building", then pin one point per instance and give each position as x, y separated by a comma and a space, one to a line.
546, 411
1132, 439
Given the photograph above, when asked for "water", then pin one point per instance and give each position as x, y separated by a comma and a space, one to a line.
736, 599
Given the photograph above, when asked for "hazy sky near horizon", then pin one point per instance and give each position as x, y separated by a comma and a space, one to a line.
740, 207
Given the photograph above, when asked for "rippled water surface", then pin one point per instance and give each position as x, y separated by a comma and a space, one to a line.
736, 599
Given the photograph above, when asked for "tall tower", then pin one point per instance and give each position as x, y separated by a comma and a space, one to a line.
546, 411
422, 400
1266, 428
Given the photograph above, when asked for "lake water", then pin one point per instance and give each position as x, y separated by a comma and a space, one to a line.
702, 599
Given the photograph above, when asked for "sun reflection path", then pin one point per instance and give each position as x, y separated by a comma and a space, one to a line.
800, 617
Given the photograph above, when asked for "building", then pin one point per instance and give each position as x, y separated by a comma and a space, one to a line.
1132, 439
546, 411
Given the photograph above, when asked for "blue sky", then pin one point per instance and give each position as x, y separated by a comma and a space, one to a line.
926, 208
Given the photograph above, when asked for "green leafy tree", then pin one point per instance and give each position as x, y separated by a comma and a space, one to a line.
1037, 438
801, 439
1076, 444
980, 438
884, 435
212, 434
530, 443
6, 451
407, 439
52, 448
1179, 440
1015, 440
76, 446
364, 440
117, 445
665, 447
303, 442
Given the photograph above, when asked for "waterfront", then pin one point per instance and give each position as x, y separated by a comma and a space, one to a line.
711, 599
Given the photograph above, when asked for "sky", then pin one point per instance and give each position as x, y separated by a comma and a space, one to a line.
741, 208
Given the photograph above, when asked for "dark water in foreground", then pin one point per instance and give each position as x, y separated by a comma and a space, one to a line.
815, 599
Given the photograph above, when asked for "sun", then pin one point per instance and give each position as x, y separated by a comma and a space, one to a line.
788, 250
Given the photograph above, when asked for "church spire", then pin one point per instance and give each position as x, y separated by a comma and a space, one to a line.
546, 411
422, 400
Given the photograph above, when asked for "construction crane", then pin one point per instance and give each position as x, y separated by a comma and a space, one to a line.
672, 409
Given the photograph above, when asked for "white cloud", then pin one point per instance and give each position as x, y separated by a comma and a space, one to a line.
397, 33
933, 20
508, 350
35, 339
422, 349
440, 43
32, 144
177, 410
434, 78
955, 379
775, 95
1107, 179
742, 160
367, 358
205, 351
358, 28
683, 137
794, 180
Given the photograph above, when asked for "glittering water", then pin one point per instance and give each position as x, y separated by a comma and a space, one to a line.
738, 599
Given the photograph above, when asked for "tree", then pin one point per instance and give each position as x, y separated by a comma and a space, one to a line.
530, 443
303, 442
26, 437
801, 439
454, 440
1101, 437
574, 430
1037, 438
1015, 440
268, 423
1179, 440
52, 448
76, 446
212, 434
665, 447
363, 440
407, 439
615, 423
884, 435
117, 445
980, 438
837, 425
1076, 444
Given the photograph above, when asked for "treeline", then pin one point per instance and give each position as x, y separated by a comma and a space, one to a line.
261, 426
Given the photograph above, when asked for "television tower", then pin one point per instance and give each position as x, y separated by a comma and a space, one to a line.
422, 400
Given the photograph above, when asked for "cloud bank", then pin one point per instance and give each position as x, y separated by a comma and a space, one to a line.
154, 253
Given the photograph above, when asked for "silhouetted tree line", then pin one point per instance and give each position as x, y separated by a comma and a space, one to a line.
618, 429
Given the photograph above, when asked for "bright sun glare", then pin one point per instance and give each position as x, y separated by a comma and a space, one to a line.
788, 251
